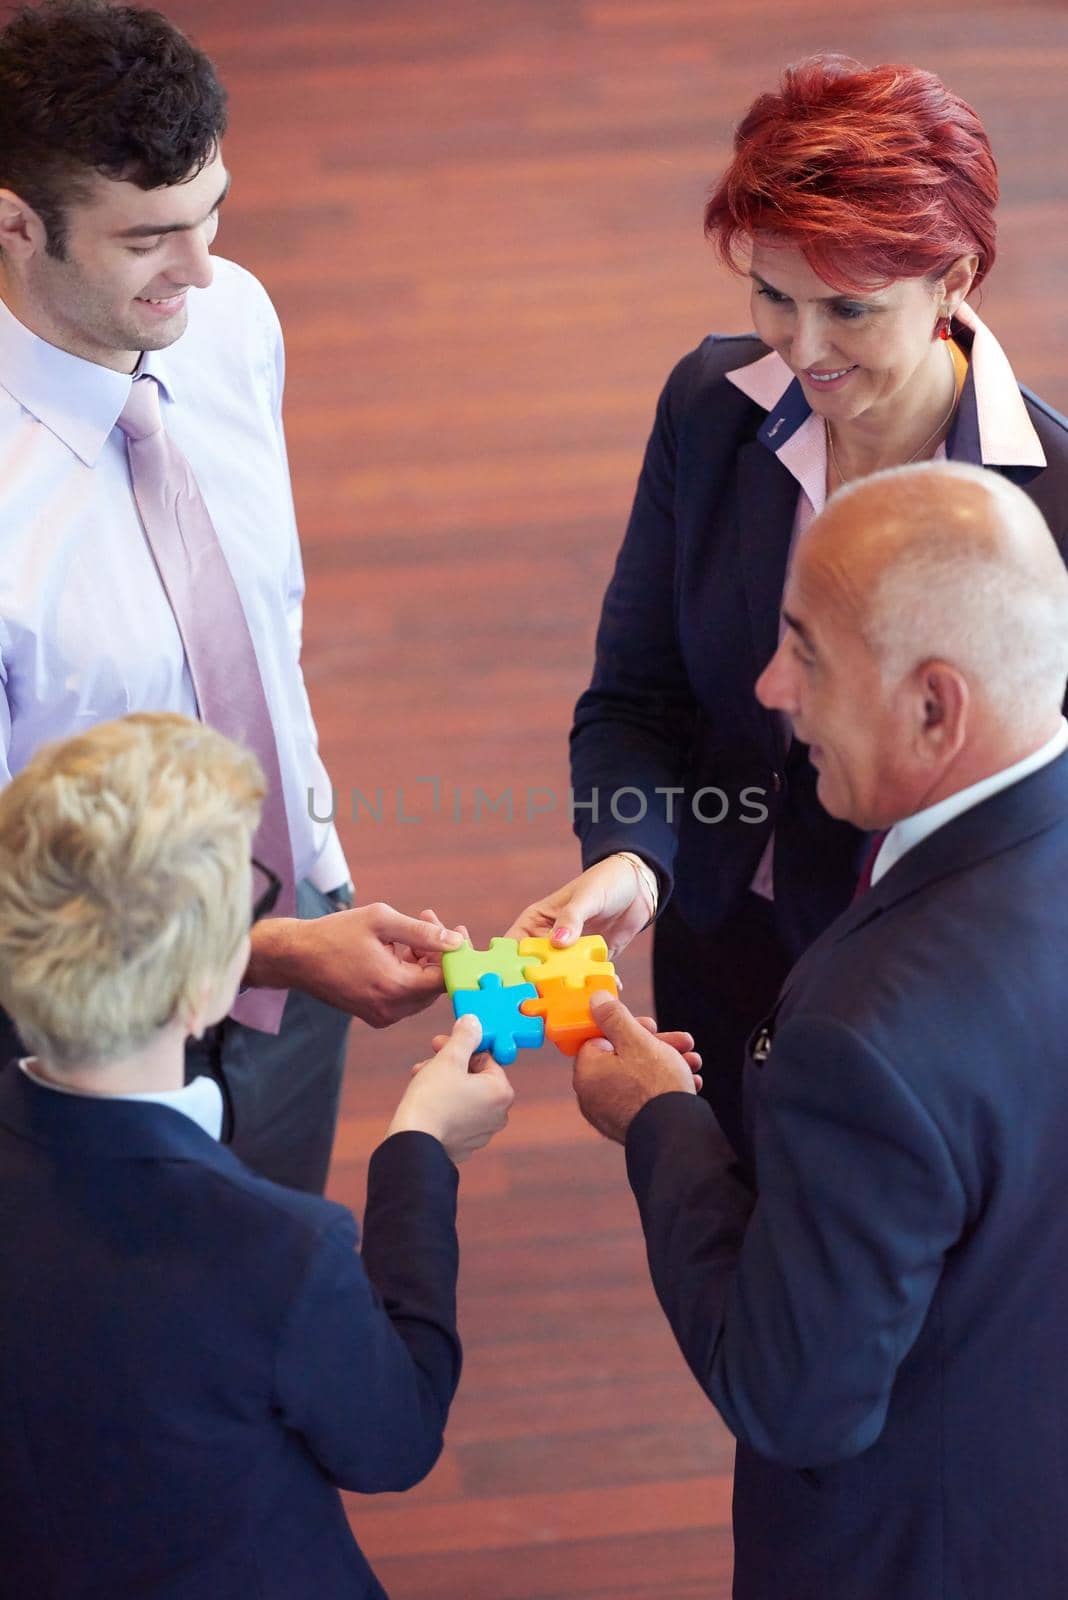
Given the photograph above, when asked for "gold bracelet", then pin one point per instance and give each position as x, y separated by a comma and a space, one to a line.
647, 881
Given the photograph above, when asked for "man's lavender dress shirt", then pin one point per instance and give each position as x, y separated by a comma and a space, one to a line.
86, 633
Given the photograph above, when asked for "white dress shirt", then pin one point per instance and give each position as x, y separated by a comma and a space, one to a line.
200, 1101
86, 632
906, 835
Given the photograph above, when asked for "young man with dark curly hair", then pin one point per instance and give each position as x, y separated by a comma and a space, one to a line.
148, 549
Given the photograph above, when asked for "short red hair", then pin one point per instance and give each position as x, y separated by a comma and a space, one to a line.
874, 173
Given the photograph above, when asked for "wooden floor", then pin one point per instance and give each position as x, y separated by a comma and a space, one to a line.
480, 222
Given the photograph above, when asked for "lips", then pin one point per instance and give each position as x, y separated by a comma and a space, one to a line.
169, 302
829, 377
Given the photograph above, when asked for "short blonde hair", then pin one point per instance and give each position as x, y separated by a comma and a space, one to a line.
124, 881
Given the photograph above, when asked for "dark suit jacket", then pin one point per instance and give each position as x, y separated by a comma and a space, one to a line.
192, 1359
883, 1323
690, 620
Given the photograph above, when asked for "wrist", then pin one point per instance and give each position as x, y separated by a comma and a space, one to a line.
272, 962
648, 883
406, 1121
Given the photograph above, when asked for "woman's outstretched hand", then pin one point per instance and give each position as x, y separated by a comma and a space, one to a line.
609, 898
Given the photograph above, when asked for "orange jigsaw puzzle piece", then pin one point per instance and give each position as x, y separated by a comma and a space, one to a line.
566, 1010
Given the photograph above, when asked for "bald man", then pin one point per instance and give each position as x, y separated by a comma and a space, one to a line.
875, 1295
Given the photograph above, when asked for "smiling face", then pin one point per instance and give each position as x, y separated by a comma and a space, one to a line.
131, 256
825, 678
864, 354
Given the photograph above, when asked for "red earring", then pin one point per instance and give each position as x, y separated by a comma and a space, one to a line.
944, 327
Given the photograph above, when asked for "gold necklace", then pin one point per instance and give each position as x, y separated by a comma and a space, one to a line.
952, 407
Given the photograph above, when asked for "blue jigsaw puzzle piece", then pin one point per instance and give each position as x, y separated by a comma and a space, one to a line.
504, 1027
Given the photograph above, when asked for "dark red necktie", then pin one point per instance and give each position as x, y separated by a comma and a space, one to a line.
864, 881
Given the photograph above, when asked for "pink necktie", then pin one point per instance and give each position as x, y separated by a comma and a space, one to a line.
218, 645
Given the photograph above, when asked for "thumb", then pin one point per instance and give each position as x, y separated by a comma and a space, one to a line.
614, 1020
460, 1046
570, 919
426, 938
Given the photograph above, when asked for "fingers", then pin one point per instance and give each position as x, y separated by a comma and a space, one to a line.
494, 1076
676, 1038
530, 924
412, 978
682, 1042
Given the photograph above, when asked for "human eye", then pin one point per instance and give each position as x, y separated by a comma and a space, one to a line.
143, 250
847, 311
768, 293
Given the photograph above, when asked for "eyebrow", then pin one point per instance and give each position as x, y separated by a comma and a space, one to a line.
798, 627
148, 230
830, 299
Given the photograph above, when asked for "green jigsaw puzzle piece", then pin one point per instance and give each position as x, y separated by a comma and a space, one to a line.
462, 968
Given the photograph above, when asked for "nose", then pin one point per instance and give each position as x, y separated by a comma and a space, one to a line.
192, 263
808, 346
774, 687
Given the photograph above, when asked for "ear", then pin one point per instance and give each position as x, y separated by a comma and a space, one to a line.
195, 1011
22, 233
955, 284
943, 701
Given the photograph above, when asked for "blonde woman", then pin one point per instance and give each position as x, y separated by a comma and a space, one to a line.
192, 1359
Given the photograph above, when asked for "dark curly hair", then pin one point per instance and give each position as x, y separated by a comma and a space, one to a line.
89, 87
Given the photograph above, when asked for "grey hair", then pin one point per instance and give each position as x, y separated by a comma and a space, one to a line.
980, 586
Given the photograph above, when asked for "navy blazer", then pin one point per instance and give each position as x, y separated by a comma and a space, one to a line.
883, 1321
193, 1359
690, 620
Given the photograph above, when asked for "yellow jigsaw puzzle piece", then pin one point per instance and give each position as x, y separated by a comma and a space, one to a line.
586, 958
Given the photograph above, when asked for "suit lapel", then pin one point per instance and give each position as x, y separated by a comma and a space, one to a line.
767, 497
767, 501
962, 441
1033, 806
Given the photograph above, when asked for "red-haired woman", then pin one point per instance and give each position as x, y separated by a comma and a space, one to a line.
862, 201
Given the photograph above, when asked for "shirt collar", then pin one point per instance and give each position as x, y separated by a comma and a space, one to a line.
1006, 435
200, 1101
154, 364
77, 400
906, 835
